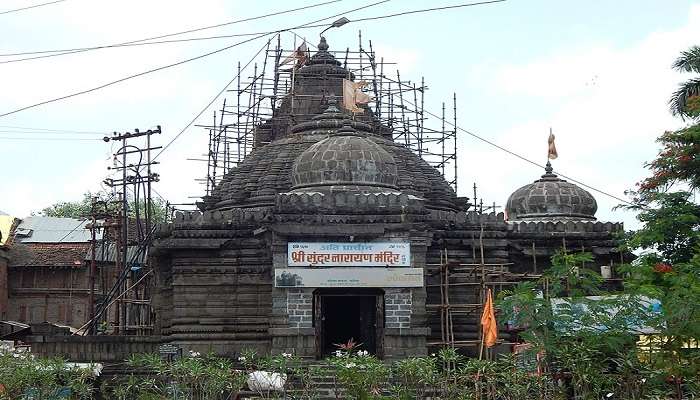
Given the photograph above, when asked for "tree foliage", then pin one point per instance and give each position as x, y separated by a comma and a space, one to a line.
685, 101
582, 337
678, 162
668, 243
82, 208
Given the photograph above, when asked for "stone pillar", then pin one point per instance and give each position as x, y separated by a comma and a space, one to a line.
292, 330
405, 322
291, 326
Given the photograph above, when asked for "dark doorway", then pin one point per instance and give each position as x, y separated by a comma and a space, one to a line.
341, 316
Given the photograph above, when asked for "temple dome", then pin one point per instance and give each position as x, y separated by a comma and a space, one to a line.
306, 116
551, 198
275, 167
345, 159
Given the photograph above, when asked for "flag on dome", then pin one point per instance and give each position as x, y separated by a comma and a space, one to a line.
299, 56
552, 154
353, 95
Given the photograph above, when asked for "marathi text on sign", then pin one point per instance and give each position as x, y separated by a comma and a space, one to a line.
388, 254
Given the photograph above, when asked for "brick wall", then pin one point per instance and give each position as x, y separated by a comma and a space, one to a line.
397, 308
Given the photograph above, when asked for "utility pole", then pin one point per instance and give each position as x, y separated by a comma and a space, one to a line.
131, 177
93, 241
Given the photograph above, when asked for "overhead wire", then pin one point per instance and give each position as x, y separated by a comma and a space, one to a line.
50, 138
144, 42
138, 42
519, 156
8, 128
30, 7
163, 67
232, 80
199, 114
6, 132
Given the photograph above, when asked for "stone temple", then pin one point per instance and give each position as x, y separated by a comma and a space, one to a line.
329, 230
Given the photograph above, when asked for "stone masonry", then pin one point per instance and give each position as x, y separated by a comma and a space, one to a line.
397, 308
300, 308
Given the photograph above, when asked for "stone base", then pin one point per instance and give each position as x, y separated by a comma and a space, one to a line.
408, 342
224, 348
298, 341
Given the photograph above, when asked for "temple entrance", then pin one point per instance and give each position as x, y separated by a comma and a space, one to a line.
342, 315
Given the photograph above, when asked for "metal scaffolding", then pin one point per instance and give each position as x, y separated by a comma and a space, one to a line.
397, 102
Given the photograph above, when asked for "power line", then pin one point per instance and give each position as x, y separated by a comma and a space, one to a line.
429, 10
127, 78
49, 138
135, 44
24, 128
234, 78
514, 154
199, 114
177, 63
72, 230
32, 6
10, 132
138, 41
145, 42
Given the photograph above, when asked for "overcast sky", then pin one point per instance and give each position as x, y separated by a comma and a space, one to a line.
597, 72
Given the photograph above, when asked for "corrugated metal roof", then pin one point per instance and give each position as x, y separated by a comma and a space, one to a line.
36, 229
109, 253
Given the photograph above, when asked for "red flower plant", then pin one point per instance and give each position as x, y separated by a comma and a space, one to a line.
349, 346
663, 268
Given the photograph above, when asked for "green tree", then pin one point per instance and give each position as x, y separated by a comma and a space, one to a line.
82, 208
668, 243
583, 337
685, 102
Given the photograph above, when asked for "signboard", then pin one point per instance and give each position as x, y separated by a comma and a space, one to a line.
169, 351
348, 277
380, 254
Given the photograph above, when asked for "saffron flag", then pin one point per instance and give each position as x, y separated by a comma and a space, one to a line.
552, 153
353, 95
299, 56
489, 328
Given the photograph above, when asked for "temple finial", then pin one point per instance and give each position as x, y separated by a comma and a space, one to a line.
323, 45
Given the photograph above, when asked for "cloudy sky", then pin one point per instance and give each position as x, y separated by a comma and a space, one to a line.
597, 72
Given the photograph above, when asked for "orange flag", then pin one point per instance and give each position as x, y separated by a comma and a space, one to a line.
552, 153
489, 327
353, 95
298, 56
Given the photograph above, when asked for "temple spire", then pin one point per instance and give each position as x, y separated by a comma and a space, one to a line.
548, 168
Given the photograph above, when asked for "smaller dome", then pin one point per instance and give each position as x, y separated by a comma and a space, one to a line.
551, 198
346, 158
